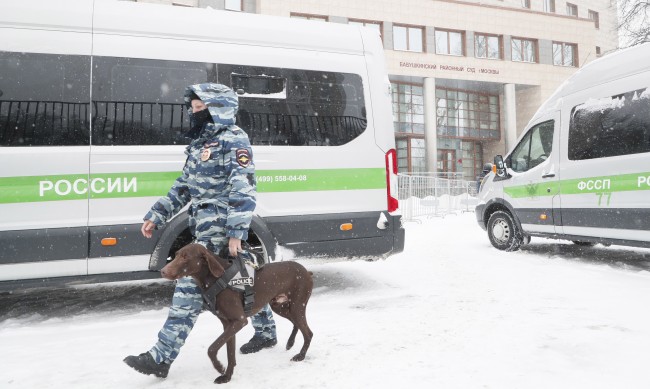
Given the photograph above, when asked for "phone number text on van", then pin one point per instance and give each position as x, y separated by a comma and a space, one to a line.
283, 178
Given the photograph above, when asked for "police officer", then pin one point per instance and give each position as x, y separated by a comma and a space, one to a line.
218, 180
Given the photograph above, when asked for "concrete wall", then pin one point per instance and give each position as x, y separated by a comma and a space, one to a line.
528, 101
606, 36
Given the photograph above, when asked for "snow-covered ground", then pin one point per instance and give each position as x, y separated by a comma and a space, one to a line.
449, 312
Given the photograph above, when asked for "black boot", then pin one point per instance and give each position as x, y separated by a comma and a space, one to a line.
257, 343
145, 364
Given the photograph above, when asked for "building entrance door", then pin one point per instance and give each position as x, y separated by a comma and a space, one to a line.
446, 160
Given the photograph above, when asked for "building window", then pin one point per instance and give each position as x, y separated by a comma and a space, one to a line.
411, 154
449, 42
593, 15
571, 9
525, 3
367, 23
549, 6
309, 17
487, 46
471, 159
408, 108
565, 54
524, 50
408, 111
467, 114
233, 5
407, 38
598, 53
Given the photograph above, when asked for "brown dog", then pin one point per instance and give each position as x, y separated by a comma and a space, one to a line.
286, 286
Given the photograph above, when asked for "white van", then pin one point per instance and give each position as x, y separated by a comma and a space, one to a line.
581, 169
91, 117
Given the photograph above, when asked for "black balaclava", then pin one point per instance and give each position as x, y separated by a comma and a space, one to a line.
199, 119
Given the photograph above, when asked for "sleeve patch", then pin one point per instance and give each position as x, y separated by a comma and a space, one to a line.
243, 157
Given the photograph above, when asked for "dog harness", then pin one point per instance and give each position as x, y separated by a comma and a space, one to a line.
237, 265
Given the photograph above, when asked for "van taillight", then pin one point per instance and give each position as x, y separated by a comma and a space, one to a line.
391, 180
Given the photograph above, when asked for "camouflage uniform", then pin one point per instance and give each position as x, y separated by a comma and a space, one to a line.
218, 180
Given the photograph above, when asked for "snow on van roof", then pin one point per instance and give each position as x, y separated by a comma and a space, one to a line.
605, 69
603, 103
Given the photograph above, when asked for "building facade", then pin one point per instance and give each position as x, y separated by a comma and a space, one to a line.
467, 75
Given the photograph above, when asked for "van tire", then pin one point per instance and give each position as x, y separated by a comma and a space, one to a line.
261, 240
503, 232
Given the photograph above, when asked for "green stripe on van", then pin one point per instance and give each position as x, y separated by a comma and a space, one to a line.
601, 184
320, 180
121, 185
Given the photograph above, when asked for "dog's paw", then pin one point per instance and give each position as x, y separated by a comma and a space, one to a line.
222, 379
298, 357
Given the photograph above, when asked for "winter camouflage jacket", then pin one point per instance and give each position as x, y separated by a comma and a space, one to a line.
219, 175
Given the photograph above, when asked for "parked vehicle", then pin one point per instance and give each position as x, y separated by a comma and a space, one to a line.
581, 169
91, 123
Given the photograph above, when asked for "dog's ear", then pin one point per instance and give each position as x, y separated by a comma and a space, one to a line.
215, 267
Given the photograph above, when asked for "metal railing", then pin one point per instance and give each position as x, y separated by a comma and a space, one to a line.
47, 123
430, 196
43, 123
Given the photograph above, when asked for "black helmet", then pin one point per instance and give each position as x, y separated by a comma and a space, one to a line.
487, 167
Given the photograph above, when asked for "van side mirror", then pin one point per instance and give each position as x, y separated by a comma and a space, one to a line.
501, 168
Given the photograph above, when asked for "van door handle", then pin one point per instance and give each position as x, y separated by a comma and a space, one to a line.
548, 175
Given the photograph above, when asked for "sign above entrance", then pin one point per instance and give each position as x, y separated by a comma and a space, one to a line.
452, 68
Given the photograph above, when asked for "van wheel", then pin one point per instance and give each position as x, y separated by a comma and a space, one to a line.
583, 243
503, 231
259, 248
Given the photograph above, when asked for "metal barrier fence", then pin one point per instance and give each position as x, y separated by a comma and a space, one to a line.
431, 196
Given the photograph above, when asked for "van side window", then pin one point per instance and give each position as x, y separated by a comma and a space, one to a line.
617, 125
140, 102
533, 149
44, 99
294, 107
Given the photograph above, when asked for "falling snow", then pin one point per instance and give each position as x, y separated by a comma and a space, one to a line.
448, 312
